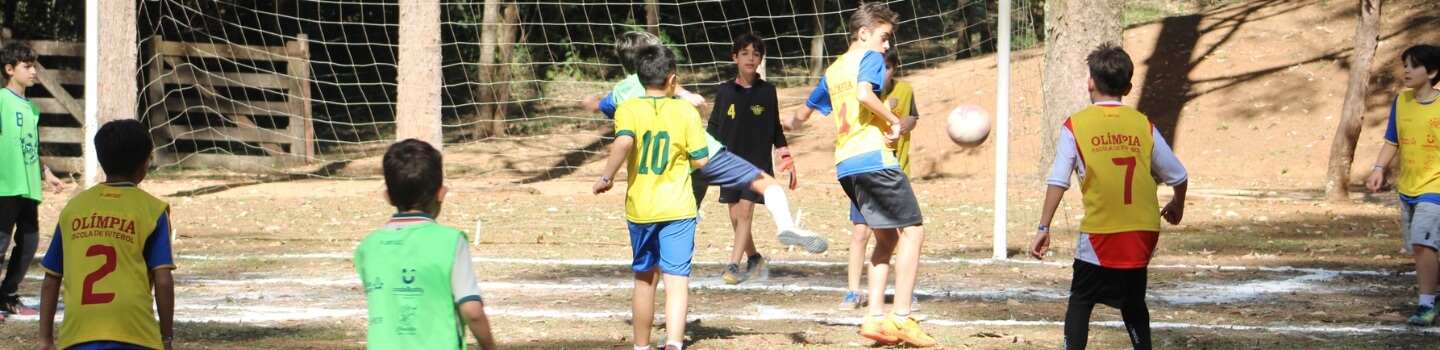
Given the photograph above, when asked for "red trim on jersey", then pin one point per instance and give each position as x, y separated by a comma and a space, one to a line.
1071, 127
1125, 250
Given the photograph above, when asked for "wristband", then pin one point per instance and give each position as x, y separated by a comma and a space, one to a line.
1043, 228
45, 169
1378, 167
605, 180
167, 339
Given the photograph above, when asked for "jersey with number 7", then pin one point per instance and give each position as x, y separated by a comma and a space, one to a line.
107, 240
667, 136
1115, 143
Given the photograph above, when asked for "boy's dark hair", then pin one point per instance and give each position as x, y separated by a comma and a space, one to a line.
1427, 56
413, 174
629, 44
123, 146
869, 15
15, 53
748, 39
655, 64
1111, 69
892, 58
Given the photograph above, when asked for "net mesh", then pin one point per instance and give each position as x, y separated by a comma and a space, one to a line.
289, 86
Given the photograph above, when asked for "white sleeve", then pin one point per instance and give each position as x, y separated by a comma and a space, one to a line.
1164, 163
462, 275
1066, 161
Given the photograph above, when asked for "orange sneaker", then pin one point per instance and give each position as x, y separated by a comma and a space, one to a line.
874, 329
907, 330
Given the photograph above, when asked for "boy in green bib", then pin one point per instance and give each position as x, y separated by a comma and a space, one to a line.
419, 285
21, 174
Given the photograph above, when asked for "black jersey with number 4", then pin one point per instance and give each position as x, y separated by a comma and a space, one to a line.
747, 121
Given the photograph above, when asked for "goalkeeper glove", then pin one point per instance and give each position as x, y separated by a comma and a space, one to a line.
787, 165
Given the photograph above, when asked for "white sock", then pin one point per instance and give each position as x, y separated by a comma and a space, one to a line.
779, 207
638, 347
1427, 300
678, 345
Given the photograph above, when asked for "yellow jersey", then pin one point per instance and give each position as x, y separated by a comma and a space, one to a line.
667, 136
1415, 128
109, 238
860, 134
904, 97
1115, 144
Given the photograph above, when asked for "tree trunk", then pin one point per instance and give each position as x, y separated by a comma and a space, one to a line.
508, 33
418, 77
817, 45
652, 16
485, 92
1342, 150
1075, 29
962, 28
1037, 19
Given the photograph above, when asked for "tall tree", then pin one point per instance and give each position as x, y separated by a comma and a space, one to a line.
1342, 150
418, 81
486, 91
1074, 28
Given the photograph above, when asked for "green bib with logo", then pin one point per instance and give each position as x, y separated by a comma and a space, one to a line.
406, 274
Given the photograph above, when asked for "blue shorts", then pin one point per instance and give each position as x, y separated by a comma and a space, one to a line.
728, 171
855, 217
669, 244
106, 345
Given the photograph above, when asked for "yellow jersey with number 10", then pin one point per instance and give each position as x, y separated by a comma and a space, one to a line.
859, 131
107, 283
667, 136
1115, 143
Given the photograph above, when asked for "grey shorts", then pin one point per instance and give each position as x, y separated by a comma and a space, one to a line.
1420, 224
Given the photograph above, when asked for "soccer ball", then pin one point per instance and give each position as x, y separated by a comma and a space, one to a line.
968, 125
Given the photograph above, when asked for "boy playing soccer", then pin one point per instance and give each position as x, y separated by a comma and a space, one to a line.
21, 173
658, 203
1114, 149
746, 117
1411, 133
901, 99
419, 285
726, 169
113, 240
870, 173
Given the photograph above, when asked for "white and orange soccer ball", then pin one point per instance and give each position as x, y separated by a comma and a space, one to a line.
968, 125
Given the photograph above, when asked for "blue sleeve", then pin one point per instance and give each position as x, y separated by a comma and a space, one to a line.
872, 70
820, 98
1391, 135
608, 105
157, 247
55, 257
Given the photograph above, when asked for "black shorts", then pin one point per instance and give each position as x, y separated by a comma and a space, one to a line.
19, 214
1093, 284
733, 196
884, 198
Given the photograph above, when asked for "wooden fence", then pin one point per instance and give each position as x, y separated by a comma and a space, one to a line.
247, 97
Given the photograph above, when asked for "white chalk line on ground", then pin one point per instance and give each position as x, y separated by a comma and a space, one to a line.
598, 262
251, 314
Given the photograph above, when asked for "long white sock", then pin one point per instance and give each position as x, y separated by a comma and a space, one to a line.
678, 345
637, 347
779, 207
1427, 300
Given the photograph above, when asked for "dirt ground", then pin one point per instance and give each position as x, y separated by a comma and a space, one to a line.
1260, 261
